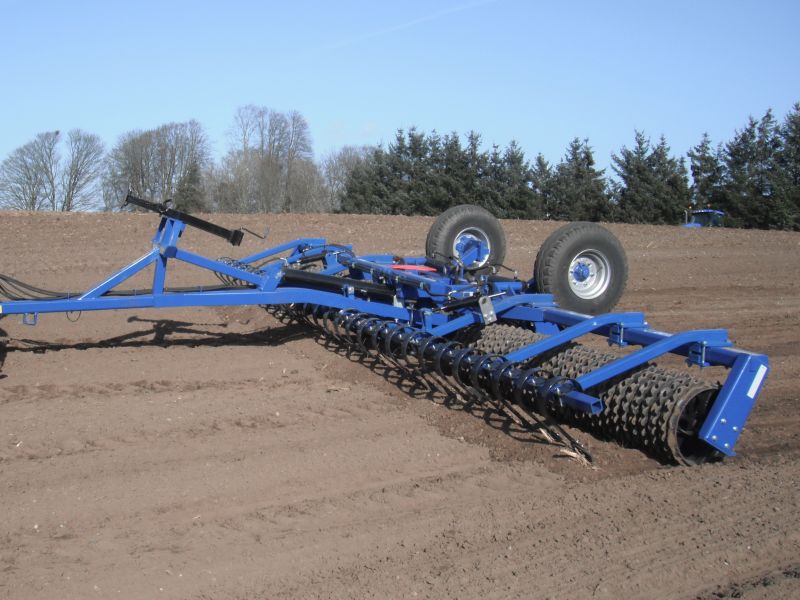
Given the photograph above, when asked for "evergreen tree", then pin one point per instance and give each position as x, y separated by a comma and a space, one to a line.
494, 187
671, 182
776, 211
476, 166
739, 159
654, 186
189, 194
418, 185
365, 189
752, 191
542, 185
439, 183
707, 172
789, 161
518, 198
632, 193
578, 188
456, 179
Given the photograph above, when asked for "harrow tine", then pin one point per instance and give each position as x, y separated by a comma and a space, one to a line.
447, 348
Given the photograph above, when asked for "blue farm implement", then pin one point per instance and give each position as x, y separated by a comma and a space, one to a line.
450, 315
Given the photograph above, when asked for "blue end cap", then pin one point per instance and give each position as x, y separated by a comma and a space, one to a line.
735, 400
581, 272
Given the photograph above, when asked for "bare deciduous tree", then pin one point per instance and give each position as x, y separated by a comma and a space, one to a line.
268, 167
22, 184
298, 149
307, 188
244, 127
337, 166
34, 176
47, 161
82, 170
233, 186
262, 131
276, 142
129, 167
152, 163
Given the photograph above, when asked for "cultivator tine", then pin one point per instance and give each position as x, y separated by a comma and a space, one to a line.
362, 331
446, 348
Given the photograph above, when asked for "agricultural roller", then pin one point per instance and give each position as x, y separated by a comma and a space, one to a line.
450, 315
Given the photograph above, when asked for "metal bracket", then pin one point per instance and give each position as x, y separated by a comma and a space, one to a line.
487, 309
616, 335
30, 319
697, 355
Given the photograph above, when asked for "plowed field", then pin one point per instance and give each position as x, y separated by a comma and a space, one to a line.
219, 453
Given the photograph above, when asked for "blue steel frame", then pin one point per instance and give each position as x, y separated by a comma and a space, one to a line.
419, 300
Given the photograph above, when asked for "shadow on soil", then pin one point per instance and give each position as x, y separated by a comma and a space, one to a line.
160, 333
514, 422
3, 351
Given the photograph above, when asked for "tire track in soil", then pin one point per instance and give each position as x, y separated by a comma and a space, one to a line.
774, 583
506, 549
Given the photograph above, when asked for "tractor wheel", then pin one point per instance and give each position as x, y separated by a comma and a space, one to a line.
584, 266
461, 224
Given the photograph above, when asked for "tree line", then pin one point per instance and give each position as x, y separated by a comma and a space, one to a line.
754, 178
269, 166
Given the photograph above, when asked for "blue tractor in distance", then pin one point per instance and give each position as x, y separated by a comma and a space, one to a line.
703, 217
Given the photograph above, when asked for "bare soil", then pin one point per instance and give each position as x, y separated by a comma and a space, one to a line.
219, 453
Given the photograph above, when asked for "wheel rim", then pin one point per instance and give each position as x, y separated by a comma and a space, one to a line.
589, 274
465, 237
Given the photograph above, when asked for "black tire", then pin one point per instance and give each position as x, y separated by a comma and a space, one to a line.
598, 249
460, 219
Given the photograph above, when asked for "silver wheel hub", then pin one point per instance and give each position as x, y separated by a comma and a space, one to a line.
589, 274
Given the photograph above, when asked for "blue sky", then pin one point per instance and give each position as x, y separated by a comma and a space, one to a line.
538, 72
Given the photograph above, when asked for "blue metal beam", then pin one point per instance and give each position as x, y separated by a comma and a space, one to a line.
293, 245
722, 356
215, 266
126, 273
284, 295
573, 332
708, 337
